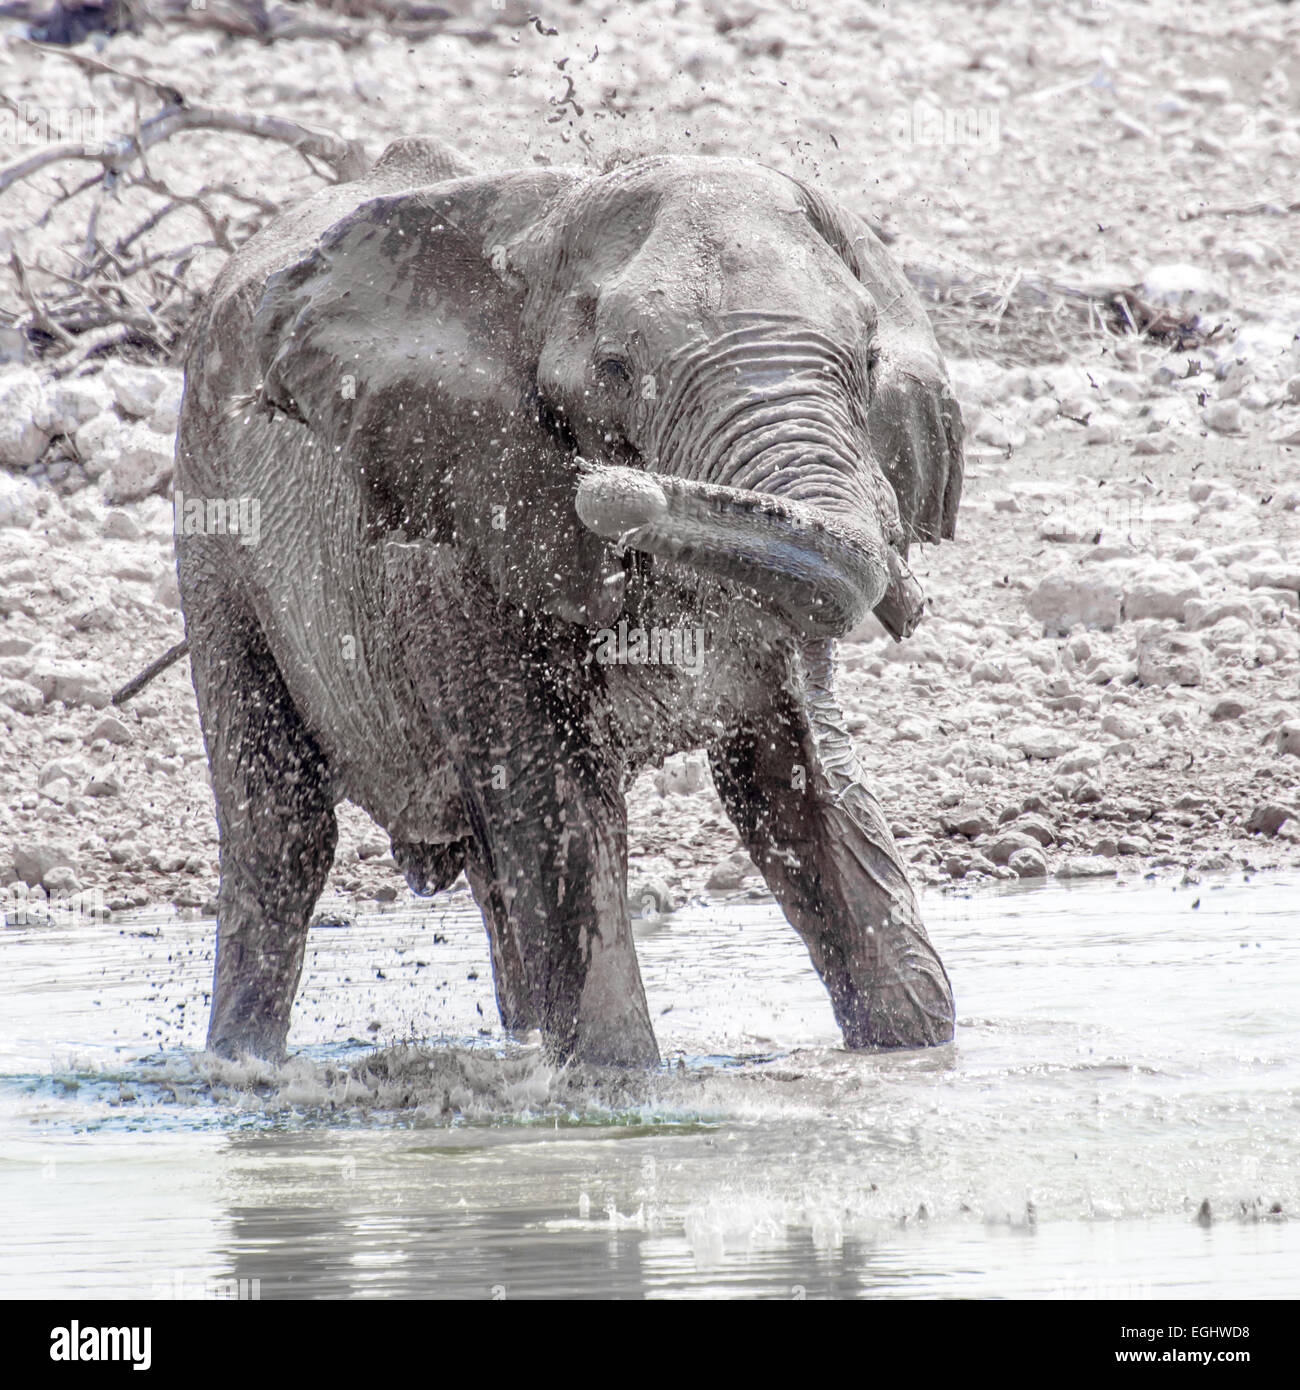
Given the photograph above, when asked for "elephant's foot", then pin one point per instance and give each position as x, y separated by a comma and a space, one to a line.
252, 999
793, 786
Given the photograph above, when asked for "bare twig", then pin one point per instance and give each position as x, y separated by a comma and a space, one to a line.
40, 318
134, 686
169, 95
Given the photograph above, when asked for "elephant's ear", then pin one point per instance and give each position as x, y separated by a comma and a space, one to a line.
913, 418
396, 341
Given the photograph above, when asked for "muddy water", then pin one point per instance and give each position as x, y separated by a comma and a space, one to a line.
1124, 1054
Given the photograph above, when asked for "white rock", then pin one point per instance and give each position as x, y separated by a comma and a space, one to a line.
104, 783
21, 697
1083, 759
120, 526
1102, 428
136, 389
994, 672
1266, 346
1186, 289
1090, 866
1259, 550
99, 442
1121, 725
1076, 653
1229, 631
1224, 417
1161, 591
111, 728
76, 401
728, 874
24, 417
18, 501
1042, 741
61, 879
1028, 863
33, 859
1208, 91
165, 416
990, 429
73, 682
1067, 597
1201, 613
1131, 128
143, 466
1275, 576
683, 774
1264, 601
1168, 658
1249, 253
166, 591
73, 769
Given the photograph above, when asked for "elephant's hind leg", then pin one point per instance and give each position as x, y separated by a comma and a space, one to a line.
276, 823
794, 789
539, 779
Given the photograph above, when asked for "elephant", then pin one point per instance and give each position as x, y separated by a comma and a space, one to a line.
559, 472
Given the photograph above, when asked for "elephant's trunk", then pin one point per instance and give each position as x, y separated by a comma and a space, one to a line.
764, 477
819, 571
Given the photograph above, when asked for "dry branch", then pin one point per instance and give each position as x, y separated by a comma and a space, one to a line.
346, 158
93, 306
1029, 318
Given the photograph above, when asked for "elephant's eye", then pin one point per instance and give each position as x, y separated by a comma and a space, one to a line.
613, 371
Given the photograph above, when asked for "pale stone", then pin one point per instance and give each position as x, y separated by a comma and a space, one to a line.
1042, 741
1161, 591
24, 417
33, 859
1068, 597
1167, 658
143, 466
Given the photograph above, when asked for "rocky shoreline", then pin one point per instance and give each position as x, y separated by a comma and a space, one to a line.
1108, 678
1107, 681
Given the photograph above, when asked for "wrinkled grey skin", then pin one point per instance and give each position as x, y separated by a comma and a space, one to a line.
484, 417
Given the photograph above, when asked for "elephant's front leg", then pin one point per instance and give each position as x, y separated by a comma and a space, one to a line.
792, 783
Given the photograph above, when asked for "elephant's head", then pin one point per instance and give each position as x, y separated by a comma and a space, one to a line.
697, 358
